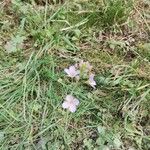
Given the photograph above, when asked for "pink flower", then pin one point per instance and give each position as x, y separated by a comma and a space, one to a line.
70, 103
91, 81
72, 72
85, 65
85, 68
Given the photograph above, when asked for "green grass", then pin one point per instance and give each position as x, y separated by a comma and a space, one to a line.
38, 41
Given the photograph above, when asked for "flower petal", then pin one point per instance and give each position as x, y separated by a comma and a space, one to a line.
67, 71
91, 80
65, 105
91, 76
69, 98
73, 71
92, 85
76, 101
72, 108
76, 65
72, 68
89, 66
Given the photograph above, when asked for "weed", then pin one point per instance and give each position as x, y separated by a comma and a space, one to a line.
38, 40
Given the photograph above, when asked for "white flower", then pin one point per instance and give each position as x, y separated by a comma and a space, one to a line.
72, 72
91, 81
70, 103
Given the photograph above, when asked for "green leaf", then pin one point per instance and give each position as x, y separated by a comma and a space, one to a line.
2, 135
15, 44
101, 130
117, 142
36, 107
100, 141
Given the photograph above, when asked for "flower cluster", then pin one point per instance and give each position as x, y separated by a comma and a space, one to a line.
82, 70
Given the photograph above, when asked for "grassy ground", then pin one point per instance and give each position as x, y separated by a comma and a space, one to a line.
38, 40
